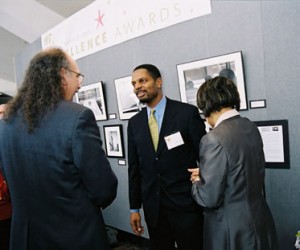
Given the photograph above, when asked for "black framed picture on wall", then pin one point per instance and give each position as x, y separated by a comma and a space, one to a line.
275, 136
193, 74
114, 144
128, 103
91, 96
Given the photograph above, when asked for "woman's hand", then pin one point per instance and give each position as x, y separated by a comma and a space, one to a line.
195, 174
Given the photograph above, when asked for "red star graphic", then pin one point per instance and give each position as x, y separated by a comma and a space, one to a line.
99, 19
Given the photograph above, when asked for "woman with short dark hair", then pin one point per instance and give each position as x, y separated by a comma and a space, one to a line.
229, 183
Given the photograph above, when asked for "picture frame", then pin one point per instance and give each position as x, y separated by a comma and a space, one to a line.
275, 136
258, 104
113, 137
128, 103
91, 96
193, 74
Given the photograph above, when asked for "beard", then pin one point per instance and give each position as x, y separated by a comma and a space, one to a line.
147, 98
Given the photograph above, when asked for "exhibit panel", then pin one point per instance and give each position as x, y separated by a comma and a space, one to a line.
269, 48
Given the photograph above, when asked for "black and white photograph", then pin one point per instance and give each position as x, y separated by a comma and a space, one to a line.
114, 141
193, 74
91, 96
128, 103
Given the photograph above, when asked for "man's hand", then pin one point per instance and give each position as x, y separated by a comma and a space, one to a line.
195, 174
135, 223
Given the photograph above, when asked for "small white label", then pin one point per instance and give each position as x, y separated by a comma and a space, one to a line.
122, 162
258, 104
112, 116
174, 140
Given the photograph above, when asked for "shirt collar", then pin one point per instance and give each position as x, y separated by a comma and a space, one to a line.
228, 114
159, 108
159, 111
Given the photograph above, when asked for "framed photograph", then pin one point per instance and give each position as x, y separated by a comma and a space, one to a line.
191, 75
114, 141
91, 96
275, 138
128, 103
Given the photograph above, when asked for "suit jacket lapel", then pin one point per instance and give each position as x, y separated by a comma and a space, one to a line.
167, 125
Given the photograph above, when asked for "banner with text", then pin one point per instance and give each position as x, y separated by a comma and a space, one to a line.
105, 23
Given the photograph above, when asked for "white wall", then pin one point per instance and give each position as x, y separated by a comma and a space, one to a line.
8, 87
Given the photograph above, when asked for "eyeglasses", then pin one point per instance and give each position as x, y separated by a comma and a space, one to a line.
78, 75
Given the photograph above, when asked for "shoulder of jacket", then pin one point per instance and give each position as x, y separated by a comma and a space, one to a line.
71, 109
138, 115
185, 107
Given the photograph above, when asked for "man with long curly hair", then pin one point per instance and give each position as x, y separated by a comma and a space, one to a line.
52, 158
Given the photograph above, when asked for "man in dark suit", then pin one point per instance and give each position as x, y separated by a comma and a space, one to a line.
159, 180
52, 158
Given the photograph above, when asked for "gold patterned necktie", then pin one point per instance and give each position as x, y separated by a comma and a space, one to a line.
153, 126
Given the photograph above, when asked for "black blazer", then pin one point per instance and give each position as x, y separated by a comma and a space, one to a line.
59, 179
162, 176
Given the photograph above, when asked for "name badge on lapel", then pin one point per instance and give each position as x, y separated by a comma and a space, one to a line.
174, 140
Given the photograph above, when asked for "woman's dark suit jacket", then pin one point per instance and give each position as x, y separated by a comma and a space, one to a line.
232, 166
59, 178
